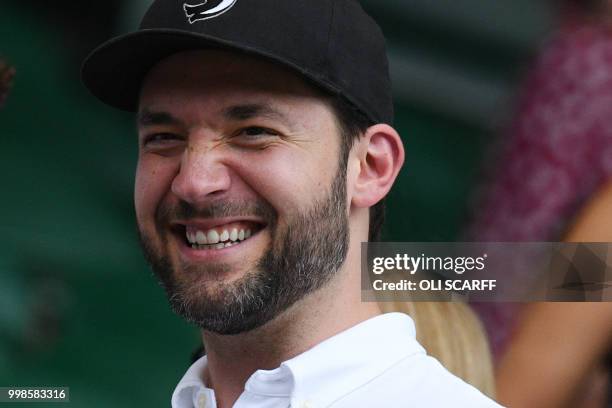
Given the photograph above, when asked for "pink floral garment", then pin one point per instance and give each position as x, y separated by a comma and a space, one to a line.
557, 154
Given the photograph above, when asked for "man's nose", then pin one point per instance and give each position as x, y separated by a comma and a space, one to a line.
201, 176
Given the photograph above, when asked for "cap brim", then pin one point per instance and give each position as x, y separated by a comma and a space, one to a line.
114, 71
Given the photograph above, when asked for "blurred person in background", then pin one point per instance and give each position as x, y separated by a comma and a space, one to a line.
553, 182
7, 72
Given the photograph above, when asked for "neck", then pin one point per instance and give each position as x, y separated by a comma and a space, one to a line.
317, 317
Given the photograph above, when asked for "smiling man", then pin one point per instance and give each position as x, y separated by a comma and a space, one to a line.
265, 151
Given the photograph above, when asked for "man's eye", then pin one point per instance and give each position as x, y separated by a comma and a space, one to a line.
256, 131
160, 138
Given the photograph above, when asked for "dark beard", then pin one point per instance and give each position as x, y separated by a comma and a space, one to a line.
302, 258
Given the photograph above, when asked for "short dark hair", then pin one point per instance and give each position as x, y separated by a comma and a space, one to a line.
353, 124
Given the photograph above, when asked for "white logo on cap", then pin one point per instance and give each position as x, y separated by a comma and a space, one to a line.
207, 9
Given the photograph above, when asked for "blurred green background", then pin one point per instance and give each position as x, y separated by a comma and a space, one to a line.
78, 305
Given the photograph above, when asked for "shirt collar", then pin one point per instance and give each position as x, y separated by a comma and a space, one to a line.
328, 371
352, 358
190, 385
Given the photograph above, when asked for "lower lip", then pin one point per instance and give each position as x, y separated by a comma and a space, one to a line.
204, 255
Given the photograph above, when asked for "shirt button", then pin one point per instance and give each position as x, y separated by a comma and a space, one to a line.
202, 401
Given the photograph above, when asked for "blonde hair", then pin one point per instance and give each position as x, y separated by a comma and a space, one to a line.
452, 333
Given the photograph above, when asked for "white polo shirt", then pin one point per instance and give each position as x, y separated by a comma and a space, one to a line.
377, 363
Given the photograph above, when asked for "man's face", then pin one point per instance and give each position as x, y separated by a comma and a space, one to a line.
240, 194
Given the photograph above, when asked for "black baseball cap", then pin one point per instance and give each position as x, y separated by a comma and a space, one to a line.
333, 43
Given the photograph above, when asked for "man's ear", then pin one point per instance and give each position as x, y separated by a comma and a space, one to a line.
381, 156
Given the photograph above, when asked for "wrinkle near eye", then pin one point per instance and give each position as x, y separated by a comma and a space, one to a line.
300, 139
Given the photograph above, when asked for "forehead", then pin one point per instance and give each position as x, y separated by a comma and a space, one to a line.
218, 76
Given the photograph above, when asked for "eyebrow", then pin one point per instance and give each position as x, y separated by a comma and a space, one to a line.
244, 112
150, 118
254, 110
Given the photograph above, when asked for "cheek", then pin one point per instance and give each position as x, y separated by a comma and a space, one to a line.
152, 182
287, 180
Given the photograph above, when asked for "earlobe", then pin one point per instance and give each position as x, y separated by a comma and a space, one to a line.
381, 158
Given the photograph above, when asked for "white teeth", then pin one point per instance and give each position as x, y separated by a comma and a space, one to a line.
191, 238
200, 238
220, 245
213, 237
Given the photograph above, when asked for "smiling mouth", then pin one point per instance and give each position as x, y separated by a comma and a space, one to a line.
219, 237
